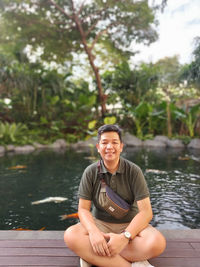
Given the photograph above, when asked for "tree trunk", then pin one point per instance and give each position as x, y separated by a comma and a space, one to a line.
91, 58
43, 101
34, 99
88, 50
169, 125
102, 97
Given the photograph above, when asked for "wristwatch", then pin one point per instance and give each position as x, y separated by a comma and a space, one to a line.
127, 235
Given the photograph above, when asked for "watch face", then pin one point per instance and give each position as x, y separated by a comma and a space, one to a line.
127, 235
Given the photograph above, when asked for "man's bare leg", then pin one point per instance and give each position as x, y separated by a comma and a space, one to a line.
77, 240
148, 244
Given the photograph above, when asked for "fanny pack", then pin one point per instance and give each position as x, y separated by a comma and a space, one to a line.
111, 201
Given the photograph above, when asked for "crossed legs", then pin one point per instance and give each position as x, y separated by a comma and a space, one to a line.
148, 244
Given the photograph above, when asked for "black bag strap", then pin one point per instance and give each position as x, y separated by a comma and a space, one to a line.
100, 174
103, 183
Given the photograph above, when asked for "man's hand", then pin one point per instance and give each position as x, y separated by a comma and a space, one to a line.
116, 243
99, 243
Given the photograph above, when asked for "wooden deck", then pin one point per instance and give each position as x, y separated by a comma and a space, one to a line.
48, 249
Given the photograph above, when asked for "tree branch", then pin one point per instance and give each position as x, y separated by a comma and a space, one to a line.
97, 37
73, 8
91, 28
98, 12
81, 8
101, 33
60, 9
42, 23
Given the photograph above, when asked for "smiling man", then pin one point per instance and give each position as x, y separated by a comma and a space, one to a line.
100, 238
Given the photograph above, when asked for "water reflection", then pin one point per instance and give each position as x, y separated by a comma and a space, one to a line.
174, 186
175, 194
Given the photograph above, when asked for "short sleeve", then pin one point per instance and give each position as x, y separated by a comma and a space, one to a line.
86, 188
140, 187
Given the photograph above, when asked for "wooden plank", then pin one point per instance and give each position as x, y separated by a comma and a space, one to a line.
53, 252
39, 261
175, 262
66, 265
32, 243
175, 245
36, 252
195, 245
181, 253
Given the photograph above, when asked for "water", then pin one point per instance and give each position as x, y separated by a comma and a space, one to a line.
174, 186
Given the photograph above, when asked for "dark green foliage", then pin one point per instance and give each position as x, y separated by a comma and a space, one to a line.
51, 105
42, 23
191, 72
63, 27
131, 86
46, 101
168, 71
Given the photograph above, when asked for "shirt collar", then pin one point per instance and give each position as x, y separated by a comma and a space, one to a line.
119, 170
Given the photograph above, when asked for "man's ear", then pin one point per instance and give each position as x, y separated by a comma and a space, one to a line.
122, 146
97, 146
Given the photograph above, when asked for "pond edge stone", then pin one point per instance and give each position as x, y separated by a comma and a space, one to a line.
128, 139
24, 149
194, 143
175, 143
2, 150
131, 140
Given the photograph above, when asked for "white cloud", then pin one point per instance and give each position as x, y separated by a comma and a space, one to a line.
178, 26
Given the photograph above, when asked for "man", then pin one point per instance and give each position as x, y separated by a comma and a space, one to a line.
99, 238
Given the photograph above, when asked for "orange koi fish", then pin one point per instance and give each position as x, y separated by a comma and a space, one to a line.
23, 229
17, 167
67, 216
183, 158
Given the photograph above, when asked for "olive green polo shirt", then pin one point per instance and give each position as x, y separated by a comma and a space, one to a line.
128, 182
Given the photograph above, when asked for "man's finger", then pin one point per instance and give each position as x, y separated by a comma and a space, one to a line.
95, 250
100, 250
107, 251
106, 236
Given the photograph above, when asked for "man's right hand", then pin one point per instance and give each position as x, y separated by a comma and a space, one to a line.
99, 243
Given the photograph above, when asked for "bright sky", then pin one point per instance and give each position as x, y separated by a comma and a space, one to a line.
178, 26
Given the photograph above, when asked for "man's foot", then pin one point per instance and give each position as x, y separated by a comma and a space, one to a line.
141, 264
84, 263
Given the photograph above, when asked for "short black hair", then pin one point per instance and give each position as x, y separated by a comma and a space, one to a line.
109, 128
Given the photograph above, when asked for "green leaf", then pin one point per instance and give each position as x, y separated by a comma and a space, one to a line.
43, 120
110, 120
54, 100
92, 124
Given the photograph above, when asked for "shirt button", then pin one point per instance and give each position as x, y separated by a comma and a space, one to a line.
113, 183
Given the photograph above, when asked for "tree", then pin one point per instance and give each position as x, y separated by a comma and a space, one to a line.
62, 27
168, 71
131, 85
191, 72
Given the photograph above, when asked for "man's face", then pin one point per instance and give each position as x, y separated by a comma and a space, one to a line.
110, 146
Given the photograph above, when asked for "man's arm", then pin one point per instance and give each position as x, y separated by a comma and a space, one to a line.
85, 215
96, 237
142, 219
118, 242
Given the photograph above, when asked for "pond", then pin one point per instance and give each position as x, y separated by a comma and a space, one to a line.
173, 177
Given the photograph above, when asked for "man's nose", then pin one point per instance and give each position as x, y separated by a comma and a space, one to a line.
109, 145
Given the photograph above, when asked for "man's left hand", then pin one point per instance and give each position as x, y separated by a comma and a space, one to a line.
116, 242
